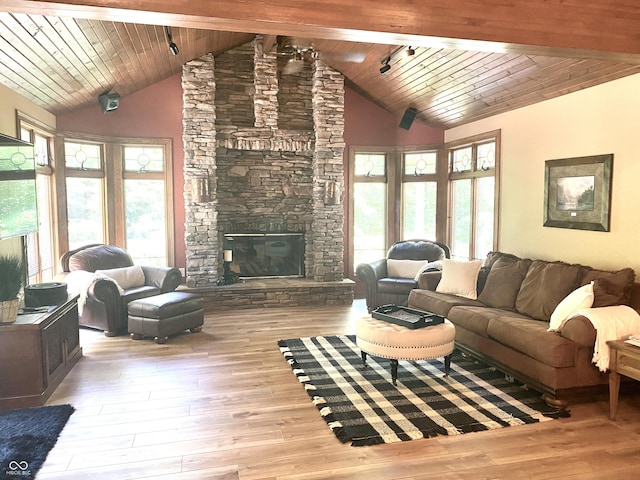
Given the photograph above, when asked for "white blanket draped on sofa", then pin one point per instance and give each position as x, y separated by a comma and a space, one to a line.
611, 323
79, 281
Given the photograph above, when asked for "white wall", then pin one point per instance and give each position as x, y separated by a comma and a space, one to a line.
599, 120
10, 101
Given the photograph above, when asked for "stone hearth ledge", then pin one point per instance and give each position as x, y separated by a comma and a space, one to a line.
275, 292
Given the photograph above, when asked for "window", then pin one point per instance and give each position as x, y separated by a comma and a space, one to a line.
85, 192
419, 195
393, 197
145, 204
473, 196
119, 191
41, 246
369, 207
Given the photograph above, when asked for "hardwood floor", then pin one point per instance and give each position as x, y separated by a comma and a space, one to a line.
224, 404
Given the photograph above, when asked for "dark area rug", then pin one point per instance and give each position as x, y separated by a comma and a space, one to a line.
26, 437
361, 405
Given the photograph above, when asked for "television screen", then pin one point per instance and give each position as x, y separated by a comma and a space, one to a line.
18, 205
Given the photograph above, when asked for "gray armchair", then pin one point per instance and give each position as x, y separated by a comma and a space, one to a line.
383, 289
105, 306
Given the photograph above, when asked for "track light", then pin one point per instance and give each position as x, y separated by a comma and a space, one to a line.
385, 65
173, 48
406, 51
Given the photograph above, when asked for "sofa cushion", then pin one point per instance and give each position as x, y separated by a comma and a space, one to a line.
416, 250
492, 257
396, 285
503, 283
139, 292
438, 303
101, 257
126, 277
544, 287
475, 319
532, 338
459, 278
404, 268
610, 287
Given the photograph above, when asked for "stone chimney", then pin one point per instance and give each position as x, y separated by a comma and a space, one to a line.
263, 151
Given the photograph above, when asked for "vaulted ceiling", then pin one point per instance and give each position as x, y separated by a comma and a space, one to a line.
63, 55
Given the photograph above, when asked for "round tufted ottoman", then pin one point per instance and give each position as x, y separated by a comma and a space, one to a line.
395, 342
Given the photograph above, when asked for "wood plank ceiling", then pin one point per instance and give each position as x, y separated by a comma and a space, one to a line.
64, 63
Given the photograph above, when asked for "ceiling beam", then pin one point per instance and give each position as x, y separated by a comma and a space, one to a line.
576, 28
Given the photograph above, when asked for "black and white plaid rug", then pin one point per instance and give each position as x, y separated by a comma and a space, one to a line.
361, 406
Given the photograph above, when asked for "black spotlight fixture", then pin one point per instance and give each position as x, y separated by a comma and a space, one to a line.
173, 48
385, 65
409, 52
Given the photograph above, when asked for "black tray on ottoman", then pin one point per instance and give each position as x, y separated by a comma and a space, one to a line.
406, 317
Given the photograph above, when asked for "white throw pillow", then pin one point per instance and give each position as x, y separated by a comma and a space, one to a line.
404, 268
126, 277
459, 278
581, 297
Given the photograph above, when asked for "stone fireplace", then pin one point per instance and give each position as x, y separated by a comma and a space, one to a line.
263, 155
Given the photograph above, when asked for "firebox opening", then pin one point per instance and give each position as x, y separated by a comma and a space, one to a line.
260, 255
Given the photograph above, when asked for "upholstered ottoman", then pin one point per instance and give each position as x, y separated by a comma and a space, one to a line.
163, 315
395, 342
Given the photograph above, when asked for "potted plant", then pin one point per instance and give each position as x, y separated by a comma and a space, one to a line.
11, 277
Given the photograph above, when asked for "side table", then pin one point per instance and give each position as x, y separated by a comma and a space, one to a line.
36, 352
624, 360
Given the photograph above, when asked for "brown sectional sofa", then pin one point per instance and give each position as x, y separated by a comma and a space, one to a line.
507, 324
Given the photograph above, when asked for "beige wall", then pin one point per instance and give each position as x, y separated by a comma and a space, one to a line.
600, 120
10, 101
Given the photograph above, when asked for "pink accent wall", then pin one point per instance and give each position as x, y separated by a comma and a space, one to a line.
156, 111
365, 123
153, 112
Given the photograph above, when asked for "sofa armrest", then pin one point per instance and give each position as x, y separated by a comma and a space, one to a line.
166, 279
580, 331
429, 280
104, 290
372, 272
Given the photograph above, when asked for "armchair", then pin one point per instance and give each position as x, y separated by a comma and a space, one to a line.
104, 299
391, 281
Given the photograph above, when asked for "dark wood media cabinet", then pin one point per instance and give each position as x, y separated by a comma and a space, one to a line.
36, 353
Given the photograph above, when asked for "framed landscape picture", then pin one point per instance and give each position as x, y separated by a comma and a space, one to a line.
578, 193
